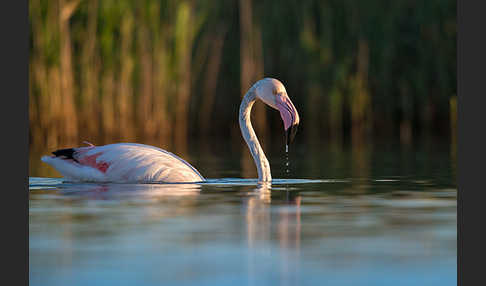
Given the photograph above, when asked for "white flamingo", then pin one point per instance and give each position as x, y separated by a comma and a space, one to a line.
130, 162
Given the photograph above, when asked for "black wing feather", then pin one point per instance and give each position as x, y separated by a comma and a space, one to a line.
67, 153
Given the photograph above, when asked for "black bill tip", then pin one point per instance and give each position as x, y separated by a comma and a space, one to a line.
290, 134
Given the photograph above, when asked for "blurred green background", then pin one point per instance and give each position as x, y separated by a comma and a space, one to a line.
167, 72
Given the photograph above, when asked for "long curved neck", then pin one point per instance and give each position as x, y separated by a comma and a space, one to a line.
261, 162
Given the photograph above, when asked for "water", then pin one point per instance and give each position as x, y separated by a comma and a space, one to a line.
368, 215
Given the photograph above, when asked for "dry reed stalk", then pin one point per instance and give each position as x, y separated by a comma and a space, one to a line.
184, 37
360, 98
107, 106
160, 93
144, 108
251, 70
211, 79
69, 115
124, 96
89, 71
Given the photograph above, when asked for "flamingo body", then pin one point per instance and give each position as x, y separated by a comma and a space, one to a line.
130, 162
123, 162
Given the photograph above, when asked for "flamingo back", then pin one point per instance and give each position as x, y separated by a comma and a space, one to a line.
123, 162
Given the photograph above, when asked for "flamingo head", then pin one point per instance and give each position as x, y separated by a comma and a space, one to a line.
273, 93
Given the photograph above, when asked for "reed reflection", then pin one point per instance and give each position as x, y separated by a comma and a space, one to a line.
146, 191
150, 202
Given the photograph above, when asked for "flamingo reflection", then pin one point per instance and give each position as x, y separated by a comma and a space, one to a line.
261, 232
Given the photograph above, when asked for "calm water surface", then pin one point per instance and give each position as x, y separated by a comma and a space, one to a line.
379, 214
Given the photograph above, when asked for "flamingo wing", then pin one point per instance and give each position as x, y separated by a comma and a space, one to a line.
122, 162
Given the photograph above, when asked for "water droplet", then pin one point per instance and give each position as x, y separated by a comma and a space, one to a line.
287, 170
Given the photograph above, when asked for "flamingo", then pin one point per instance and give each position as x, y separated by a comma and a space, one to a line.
138, 163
